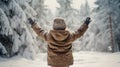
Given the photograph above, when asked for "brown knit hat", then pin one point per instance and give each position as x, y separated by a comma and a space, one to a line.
59, 24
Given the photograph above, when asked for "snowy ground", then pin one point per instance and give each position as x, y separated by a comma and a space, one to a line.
82, 59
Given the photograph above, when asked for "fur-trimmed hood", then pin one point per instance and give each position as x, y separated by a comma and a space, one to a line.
59, 24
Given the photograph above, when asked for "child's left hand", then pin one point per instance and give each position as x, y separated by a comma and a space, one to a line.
31, 21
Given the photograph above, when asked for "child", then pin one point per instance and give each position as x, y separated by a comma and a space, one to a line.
59, 41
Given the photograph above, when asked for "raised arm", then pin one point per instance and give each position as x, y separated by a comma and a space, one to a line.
41, 33
81, 30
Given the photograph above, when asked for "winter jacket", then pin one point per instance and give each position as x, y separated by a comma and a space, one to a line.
59, 44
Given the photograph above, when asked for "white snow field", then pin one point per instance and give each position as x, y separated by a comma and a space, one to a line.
82, 59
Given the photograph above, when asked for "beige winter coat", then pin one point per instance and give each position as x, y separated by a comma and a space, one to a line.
59, 44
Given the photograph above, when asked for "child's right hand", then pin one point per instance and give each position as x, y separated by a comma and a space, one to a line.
88, 20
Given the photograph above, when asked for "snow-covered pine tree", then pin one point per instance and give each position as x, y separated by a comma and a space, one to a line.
84, 10
81, 12
30, 44
100, 36
44, 16
16, 36
70, 14
5, 34
118, 39
116, 21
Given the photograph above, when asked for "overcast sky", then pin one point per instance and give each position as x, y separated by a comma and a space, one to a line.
52, 4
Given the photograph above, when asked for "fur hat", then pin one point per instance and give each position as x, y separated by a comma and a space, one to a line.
59, 24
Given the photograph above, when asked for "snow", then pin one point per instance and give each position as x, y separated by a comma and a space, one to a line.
82, 59
17, 10
3, 49
5, 28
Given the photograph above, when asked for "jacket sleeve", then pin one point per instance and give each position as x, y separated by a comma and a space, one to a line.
79, 32
41, 33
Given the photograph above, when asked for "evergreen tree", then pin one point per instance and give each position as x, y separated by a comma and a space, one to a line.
16, 36
116, 21
84, 10
68, 13
43, 14
100, 28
